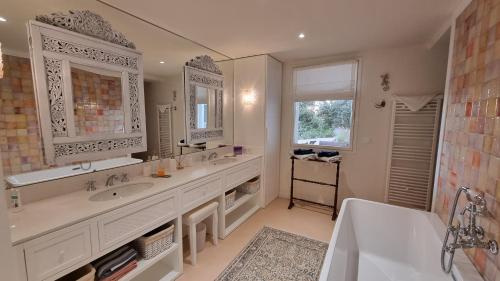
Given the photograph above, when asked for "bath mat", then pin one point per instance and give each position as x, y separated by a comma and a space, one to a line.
275, 255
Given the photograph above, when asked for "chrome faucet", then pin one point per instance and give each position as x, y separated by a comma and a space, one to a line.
212, 156
110, 180
90, 185
466, 234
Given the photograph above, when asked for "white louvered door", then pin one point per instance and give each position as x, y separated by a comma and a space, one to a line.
165, 130
412, 156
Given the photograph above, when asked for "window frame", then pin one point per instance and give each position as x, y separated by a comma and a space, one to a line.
355, 104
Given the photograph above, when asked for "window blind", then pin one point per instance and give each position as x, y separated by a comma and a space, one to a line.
335, 81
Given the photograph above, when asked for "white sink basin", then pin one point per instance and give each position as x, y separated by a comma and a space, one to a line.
223, 161
120, 191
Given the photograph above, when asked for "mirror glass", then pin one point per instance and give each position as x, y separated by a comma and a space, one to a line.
98, 106
205, 108
97, 101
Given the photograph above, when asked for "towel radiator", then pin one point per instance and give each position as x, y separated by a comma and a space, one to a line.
413, 145
165, 138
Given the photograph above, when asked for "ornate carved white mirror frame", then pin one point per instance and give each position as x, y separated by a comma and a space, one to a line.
202, 71
96, 46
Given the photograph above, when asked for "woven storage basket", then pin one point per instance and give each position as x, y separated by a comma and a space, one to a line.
155, 242
250, 187
230, 198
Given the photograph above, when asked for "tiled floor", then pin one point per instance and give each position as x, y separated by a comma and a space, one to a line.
212, 260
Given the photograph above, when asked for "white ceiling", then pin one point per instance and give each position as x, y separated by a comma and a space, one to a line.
240, 28
156, 44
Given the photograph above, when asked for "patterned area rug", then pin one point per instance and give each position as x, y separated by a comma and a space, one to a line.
275, 255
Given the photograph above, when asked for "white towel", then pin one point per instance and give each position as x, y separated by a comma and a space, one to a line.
304, 156
416, 102
330, 159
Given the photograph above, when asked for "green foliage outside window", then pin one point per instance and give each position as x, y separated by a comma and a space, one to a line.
325, 119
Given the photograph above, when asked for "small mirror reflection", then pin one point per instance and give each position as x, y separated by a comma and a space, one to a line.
205, 107
97, 101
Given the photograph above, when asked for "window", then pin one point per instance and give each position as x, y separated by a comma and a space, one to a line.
324, 100
202, 116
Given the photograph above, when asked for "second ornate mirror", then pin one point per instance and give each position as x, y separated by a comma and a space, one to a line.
204, 100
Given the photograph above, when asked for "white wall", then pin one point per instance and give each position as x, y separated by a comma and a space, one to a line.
413, 70
249, 119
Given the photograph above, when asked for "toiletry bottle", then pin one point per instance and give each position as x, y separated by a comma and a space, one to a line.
160, 171
154, 164
146, 168
15, 200
172, 163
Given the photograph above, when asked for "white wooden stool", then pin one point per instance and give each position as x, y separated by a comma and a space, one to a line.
196, 216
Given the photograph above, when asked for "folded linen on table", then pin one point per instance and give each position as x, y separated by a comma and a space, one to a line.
114, 261
330, 159
303, 156
122, 272
300, 151
328, 153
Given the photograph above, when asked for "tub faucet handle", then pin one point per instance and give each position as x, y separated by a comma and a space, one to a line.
493, 247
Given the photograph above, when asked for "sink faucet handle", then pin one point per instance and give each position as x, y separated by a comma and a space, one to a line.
90, 185
124, 177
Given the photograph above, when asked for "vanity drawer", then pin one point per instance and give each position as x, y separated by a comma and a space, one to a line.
200, 192
55, 252
242, 173
125, 224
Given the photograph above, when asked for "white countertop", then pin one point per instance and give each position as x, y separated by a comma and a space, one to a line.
45, 216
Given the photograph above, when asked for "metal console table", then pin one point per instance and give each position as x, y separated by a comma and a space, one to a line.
336, 185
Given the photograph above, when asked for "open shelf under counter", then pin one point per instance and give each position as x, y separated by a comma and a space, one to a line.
245, 206
241, 198
147, 265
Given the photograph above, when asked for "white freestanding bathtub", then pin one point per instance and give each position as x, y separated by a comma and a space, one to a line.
380, 242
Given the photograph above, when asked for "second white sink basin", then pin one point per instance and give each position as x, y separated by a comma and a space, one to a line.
120, 191
223, 161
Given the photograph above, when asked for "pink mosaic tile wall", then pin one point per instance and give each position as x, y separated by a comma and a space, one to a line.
97, 103
471, 149
20, 142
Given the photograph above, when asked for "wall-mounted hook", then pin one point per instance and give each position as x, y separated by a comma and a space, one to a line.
381, 104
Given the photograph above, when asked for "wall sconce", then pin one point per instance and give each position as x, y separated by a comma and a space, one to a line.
248, 97
1, 62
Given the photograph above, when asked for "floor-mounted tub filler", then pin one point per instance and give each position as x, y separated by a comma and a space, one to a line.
380, 242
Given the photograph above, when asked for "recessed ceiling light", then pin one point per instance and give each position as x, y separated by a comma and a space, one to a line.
3, 19
301, 35
162, 62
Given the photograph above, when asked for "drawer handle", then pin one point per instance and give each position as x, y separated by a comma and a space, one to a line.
61, 256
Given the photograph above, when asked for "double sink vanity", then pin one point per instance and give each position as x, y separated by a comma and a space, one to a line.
56, 236
107, 106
